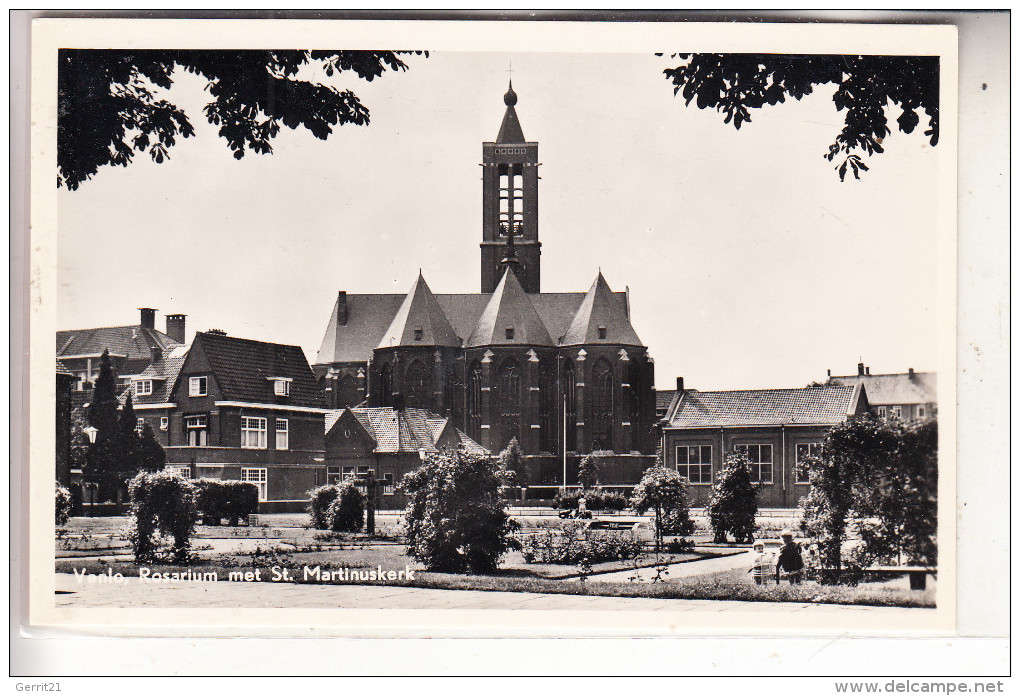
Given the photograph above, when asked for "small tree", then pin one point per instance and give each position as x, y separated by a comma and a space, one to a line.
455, 517
151, 456
734, 501
664, 491
128, 460
511, 461
101, 460
347, 511
587, 472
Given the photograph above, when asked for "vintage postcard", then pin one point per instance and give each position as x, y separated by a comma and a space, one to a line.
493, 328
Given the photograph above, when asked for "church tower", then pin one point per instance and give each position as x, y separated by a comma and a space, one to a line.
510, 204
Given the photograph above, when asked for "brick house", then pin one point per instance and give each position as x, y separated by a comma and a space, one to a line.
906, 395
132, 348
777, 428
232, 408
388, 442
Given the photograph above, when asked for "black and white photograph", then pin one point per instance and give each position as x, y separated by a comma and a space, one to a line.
354, 320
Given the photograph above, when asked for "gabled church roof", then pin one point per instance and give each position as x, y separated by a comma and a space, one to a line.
509, 308
600, 310
510, 130
420, 312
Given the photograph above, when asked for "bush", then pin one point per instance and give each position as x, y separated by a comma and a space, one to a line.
576, 543
588, 473
164, 503
318, 506
230, 500
347, 511
63, 505
593, 500
734, 501
455, 517
679, 546
664, 491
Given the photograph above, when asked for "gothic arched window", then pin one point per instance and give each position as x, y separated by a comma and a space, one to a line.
569, 386
602, 406
637, 386
347, 391
417, 386
474, 401
509, 401
386, 385
547, 407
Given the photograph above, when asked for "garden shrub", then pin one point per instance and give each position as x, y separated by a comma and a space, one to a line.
575, 543
230, 500
63, 505
455, 518
665, 492
162, 502
734, 502
318, 506
347, 511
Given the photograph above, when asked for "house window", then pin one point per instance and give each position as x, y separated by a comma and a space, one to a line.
143, 387
182, 470
602, 333
805, 452
164, 422
897, 411
332, 475
281, 387
920, 411
880, 411
139, 425
694, 462
419, 334
760, 458
282, 434
387, 484
258, 477
198, 430
509, 333
253, 433
348, 473
198, 386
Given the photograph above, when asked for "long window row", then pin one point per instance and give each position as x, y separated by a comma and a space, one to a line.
253, 431
694, 462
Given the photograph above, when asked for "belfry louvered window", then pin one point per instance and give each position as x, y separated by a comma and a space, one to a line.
602, 407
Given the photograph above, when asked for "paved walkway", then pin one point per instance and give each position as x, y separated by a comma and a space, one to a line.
132, 593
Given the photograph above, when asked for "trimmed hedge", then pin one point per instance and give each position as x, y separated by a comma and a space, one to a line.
337, 508
230, 500
162, 502
593, 500
318, 505
576, 543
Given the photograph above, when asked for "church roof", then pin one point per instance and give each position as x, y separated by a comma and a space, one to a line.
598, 311
365, 318
509, 307
510, 130
420, 312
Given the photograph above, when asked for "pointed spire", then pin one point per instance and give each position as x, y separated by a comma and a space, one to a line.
510, 130
420, 321
600, 319
509, 318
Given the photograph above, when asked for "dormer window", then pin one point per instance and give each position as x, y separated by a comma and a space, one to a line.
602, 333
281, 385
143, 387
198, 386
509, 333
419, 334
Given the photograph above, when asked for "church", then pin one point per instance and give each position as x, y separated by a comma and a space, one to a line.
564, 373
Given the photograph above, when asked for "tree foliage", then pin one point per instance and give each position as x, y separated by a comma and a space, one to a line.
162, 502
347, 511
735, 83
664, 491
882, 475
455, 517
113, 104
151, 456
588, 472
734, 502
512, 462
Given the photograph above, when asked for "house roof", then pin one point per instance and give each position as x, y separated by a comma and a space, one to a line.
508, 307
61, 370
135, 342
164, 374
368, 317
598, 311
243, 369
405, 431
809, 405
921, 388
420, 312
663, 398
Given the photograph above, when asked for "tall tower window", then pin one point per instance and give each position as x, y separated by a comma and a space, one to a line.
569, 405
386, 385
547, 408
474, 398
511, 199
602, 407
517, 202
417, 385
510, 401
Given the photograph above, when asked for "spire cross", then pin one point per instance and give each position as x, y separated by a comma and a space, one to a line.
511, 70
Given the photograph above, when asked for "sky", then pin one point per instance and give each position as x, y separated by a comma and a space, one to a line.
750, 265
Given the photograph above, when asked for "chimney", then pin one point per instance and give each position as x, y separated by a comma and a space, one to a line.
680, 384
860, 369
175, 326
828, 373
148, 317
217, 332
341, 308
867, 370
910, 373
